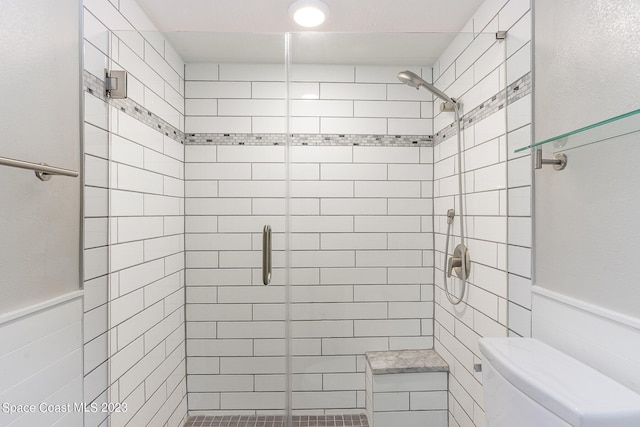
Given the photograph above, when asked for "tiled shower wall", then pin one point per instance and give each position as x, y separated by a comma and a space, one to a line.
361, 224
360, 233
497, 188
325, 99
134, 227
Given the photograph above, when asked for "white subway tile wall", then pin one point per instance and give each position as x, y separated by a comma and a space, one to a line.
351, 229
406, 399
361, 228
134, 335
366, 230
327, 99
497, 188
361, 271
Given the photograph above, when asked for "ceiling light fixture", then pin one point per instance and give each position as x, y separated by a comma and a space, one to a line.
308, 13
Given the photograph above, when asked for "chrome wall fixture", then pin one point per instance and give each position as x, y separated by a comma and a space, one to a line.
460, 254
115, 84
447, 107
266, 255
43, 171
559, 161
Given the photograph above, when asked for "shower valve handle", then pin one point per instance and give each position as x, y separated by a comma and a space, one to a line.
453, 263
460, 254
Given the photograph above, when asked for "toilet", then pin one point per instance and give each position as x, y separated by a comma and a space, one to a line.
530, 384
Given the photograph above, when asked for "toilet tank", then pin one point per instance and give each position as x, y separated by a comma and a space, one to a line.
528, 383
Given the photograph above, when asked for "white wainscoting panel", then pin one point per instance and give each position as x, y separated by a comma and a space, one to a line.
605, 340
41, 363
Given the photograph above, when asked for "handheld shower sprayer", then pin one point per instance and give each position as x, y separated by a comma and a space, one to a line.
413, 80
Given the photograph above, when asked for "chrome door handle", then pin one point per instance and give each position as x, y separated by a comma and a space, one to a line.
266, 255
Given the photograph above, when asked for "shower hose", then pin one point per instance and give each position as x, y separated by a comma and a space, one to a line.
452, 298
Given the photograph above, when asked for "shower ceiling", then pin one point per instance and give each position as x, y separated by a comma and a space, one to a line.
313, 48
189, 25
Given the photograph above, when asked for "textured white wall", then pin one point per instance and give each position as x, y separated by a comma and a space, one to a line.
586, 225
587, 58
40, 122
41, 306
587, 70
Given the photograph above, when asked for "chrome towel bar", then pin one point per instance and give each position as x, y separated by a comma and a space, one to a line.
42, 170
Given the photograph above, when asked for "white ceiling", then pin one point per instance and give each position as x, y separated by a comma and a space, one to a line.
312, 48
260, 16
233, 30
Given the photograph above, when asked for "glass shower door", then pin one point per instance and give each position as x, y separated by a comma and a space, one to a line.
235, 191
186, 231
361, 276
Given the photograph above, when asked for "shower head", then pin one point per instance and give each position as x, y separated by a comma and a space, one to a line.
413, 80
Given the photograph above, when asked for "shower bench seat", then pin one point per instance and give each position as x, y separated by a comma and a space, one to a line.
406, 388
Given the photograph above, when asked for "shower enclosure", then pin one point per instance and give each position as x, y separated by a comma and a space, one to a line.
353, 172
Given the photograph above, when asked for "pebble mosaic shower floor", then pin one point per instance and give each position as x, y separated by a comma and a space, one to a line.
278, 421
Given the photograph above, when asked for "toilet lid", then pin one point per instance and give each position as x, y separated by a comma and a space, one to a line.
572, 390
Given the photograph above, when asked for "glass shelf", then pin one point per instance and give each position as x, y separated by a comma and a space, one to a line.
606, 129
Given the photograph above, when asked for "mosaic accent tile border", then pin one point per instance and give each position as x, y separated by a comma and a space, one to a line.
519, 89
515, 91
95, 86
278, 421
307, 139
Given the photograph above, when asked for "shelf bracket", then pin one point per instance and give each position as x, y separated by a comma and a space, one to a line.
559, 161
